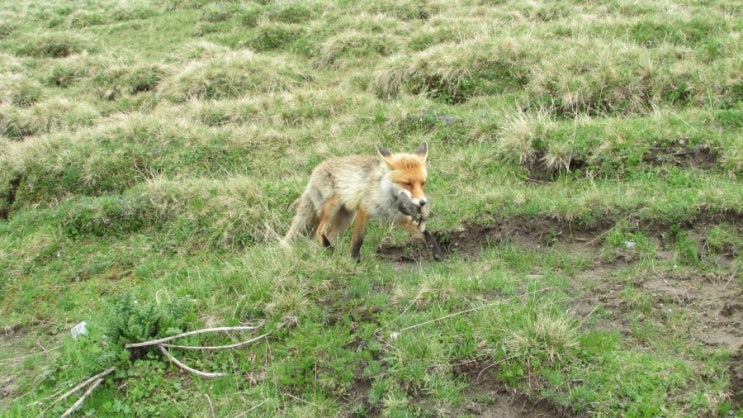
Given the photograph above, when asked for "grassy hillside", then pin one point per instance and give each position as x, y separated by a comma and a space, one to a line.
585, 164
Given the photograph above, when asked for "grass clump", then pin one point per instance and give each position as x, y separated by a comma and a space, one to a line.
145, 78
454, 72
523, 136
272, 36
620, 78
49, 116
6, 29
231, 76
20, 92
546, 339
350, 48
56, 45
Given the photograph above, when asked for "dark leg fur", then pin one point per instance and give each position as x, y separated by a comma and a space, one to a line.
356, 248
326, 243
358, 233
434, 246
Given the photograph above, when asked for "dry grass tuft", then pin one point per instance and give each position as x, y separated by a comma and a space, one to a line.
233, 75
558, 156
10, 64
54, 45
454, 72
351, 48
547, 337
523, 135
18, 90
288, 297
52, 115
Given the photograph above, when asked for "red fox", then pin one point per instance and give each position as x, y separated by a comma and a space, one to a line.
356, 188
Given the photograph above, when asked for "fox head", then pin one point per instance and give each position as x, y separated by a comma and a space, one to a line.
408, 171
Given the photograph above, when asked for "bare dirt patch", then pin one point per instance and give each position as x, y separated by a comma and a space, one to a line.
536, 232
679, 153
709, 300
468, 240
492, 399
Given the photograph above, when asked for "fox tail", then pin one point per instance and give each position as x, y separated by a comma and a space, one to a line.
305, 219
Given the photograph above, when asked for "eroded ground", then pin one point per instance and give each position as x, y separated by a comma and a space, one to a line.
709, 299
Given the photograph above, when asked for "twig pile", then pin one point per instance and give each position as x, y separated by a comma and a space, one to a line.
163, 345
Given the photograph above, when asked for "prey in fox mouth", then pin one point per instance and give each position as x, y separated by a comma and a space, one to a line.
419, 212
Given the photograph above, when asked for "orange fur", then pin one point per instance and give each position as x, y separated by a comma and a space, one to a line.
358, 188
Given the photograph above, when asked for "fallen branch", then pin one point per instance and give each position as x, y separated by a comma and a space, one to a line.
217, 347
160, 343
96, 380
211, 405
476, 308
187, 368
82, 398
99, 376
162, 347
187, 334
242, 414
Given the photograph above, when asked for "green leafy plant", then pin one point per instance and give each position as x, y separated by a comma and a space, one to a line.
130, 320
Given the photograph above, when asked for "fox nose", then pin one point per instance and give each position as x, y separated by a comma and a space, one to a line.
423, 202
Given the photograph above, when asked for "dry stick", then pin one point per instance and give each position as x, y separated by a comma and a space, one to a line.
217, 347
186, 334
161, 346
461, 313
100, 375
82, 398
97, 379
211, 405
299, 399
242, 414
185, 367
450, 315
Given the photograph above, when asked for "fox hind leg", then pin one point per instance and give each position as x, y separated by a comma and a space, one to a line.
328, 213
359, 227
339, 223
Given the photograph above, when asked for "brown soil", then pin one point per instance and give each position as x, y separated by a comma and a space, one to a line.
712, 303
491, 399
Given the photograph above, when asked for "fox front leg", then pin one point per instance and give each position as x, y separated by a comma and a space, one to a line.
416, 223
433, 245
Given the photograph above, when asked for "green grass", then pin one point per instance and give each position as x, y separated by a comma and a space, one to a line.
585, 164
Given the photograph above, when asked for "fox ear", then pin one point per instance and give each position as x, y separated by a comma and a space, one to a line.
422, 150
384, 153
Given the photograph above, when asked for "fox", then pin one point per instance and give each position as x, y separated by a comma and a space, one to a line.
386, 187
